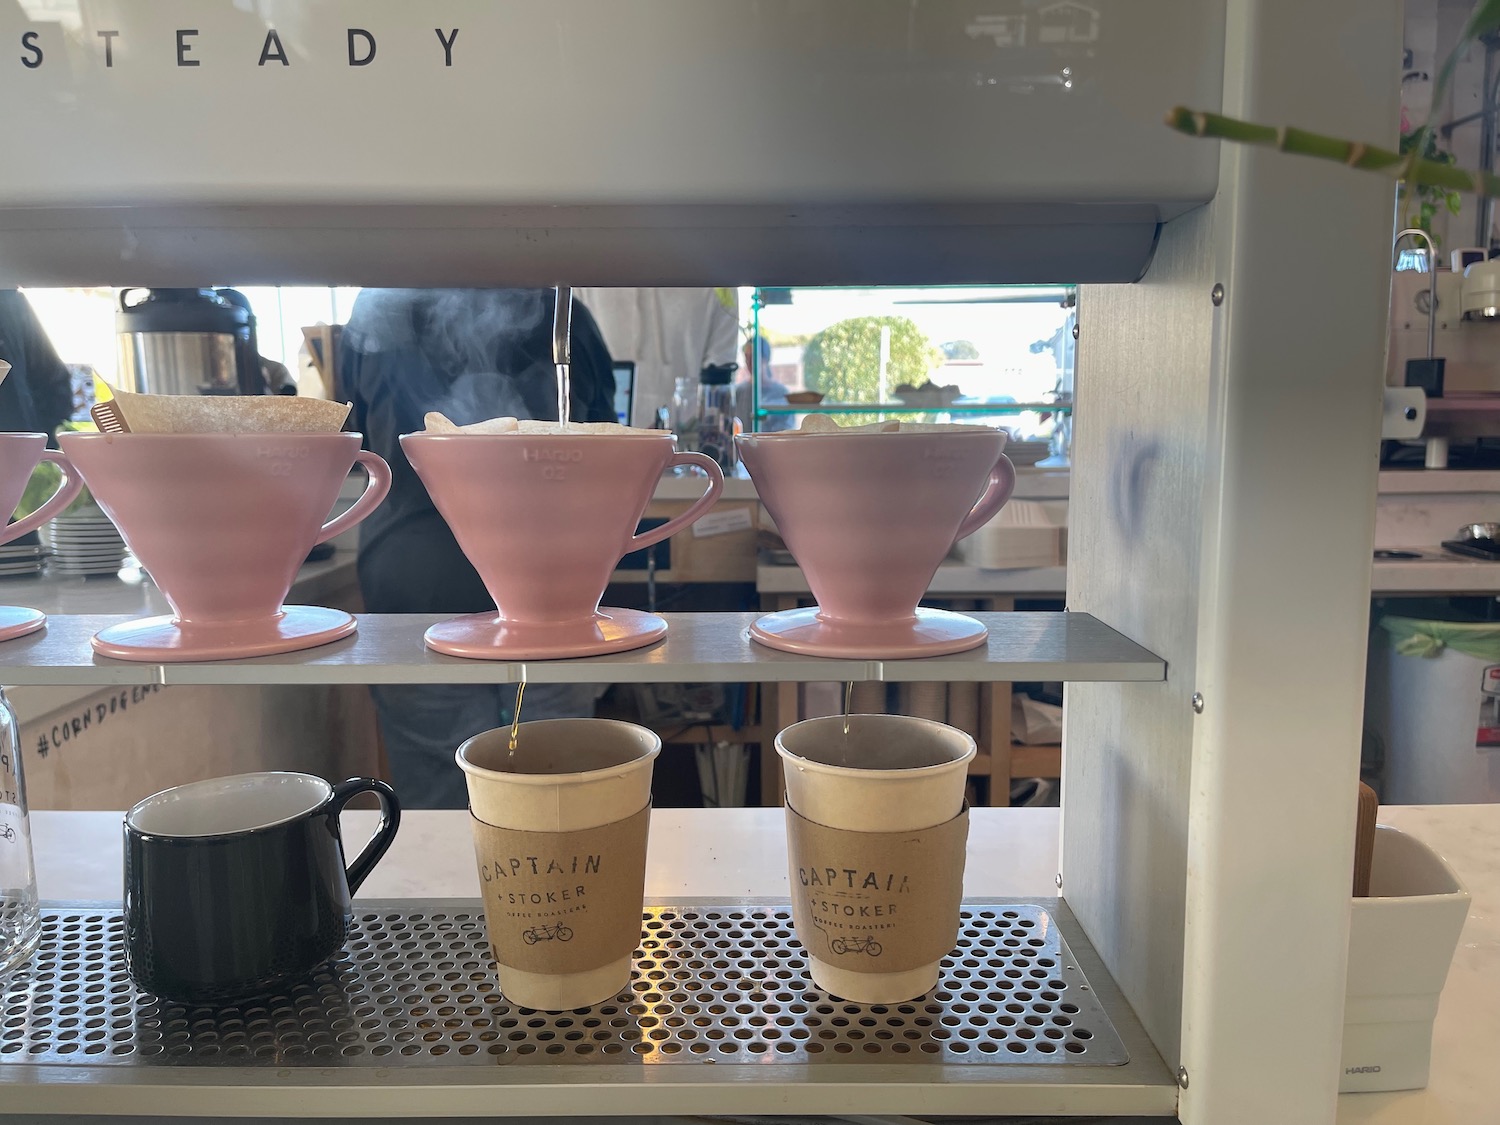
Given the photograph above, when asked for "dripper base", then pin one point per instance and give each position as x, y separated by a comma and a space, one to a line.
933, 632
166, 640
17, 621
484, 636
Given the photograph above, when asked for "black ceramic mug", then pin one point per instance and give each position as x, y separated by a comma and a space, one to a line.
237, 884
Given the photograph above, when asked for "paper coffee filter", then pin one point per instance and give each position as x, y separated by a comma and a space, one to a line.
827, 424
230, 414
529, 426
438, 423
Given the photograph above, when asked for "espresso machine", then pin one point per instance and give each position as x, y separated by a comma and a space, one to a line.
860, 143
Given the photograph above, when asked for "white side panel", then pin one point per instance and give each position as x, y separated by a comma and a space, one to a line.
1284, 396
1282, 640
1134, 524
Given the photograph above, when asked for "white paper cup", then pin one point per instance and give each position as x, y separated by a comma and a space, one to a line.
892, 773
565, 775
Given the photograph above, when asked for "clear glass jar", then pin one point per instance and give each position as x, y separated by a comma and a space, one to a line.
685, 412
717, 422
20, 913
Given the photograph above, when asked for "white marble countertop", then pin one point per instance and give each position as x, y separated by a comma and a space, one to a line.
713, 853
735, 852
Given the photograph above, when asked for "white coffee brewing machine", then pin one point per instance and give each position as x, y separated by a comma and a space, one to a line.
1443, 372
1209, 813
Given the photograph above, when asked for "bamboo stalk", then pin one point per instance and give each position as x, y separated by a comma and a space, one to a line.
1484, 19
1355, 154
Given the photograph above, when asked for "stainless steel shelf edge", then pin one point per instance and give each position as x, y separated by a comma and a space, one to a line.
1141, 1087
700, 647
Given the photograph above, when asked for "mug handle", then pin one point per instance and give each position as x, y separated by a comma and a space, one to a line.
700, 506
996, 493
67, 492
390, 820
376, 486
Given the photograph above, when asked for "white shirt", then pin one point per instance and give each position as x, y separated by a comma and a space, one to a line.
667, 333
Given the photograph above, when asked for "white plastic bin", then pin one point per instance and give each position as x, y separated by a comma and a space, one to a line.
1401, 942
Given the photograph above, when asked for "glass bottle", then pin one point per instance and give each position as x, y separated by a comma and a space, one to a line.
20, 913
717, 422
685, 412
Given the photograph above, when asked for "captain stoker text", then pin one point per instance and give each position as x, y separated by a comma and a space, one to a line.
518, 867
530, 868
851, 898
850, 878
361, 48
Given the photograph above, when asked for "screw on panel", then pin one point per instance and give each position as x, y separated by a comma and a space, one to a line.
1216, 294
1410, 414
1058, 880
1182, 1077
1075, 330
1197, 703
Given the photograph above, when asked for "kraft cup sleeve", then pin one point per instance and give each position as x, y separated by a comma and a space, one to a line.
877, 902
563, 902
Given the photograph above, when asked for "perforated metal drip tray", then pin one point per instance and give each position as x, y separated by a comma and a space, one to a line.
415, 987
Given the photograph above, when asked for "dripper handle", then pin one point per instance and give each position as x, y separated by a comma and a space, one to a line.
701, 506
378, 484
67, 492
996, 493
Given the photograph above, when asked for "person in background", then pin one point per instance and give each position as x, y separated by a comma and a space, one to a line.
37, 395
471, 354
772, 393
670, 335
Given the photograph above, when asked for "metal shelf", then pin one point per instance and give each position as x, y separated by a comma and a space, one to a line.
719, 1017
700, 647
906, 408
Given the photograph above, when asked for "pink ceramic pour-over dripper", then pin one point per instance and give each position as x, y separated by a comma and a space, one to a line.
869, 517
223, 522
19, 455
544, 519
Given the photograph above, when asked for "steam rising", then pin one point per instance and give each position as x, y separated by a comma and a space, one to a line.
474, 353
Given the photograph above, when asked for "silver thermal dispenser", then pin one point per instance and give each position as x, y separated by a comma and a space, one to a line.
188, 342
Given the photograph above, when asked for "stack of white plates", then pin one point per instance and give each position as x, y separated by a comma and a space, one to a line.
1026, 452
85, 542
20, 559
